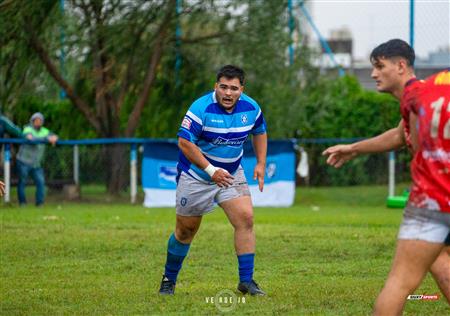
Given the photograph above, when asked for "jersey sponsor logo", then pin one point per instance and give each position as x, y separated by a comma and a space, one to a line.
244, 119
186, 123
216, 121
232, 142
437, 155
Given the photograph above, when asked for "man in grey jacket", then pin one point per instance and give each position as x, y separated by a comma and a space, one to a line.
30, 157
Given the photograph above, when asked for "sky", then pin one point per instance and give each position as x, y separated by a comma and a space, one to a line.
373, 22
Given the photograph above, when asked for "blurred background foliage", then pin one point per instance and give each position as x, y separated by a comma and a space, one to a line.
297, 99
117, 60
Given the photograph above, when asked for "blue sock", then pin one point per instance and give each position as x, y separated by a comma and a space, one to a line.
176, 252
246, 266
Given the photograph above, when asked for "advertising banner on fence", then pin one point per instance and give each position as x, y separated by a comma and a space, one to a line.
159, 171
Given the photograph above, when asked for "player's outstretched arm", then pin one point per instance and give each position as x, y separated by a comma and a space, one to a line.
389, 140
260, 148
2, 188
220, 176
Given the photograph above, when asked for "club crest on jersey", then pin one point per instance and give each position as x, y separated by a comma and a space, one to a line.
186, 123
232, 142
244, 119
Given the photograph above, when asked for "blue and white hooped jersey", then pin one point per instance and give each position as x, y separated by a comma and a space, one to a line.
219, 135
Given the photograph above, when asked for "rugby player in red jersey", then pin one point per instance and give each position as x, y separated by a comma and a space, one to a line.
393, 72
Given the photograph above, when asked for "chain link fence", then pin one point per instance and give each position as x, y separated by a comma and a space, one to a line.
363, 170
95, 169
77, 172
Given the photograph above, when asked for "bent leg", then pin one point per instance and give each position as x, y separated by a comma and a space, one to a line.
179, 243
440, 270
240, 214
186, 228
412, 260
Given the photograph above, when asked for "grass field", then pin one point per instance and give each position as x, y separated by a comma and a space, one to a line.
327, 255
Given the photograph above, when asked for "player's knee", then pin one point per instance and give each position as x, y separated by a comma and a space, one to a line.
185, 234
246, 221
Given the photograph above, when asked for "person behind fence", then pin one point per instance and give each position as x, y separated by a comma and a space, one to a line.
393, 72
211, 139
30, 157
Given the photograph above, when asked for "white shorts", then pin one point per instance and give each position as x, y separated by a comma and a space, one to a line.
423, 224
194, 198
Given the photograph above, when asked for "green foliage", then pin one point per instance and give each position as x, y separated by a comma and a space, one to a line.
60, 117
298, 100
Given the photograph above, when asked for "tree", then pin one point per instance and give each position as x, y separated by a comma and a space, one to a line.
118, 45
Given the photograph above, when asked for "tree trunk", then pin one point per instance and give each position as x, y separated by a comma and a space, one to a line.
116, 166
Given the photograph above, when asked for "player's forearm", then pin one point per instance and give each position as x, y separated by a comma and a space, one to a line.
192, 153
389, 140
260, 147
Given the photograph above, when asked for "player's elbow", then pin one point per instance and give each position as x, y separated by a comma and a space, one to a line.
183, 144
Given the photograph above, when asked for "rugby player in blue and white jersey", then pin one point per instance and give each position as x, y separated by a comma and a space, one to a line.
211, 139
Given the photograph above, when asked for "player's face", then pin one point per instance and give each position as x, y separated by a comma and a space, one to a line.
386, 75
228, 92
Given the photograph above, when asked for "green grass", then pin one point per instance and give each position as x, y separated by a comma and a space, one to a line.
327, 255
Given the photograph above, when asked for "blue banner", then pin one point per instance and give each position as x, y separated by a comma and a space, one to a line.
159, 174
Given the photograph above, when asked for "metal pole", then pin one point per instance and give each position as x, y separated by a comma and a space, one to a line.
322, 40
391, 173
76, 165
133, 173
411, 23
62, 93
291, 31
178, 33
7, 171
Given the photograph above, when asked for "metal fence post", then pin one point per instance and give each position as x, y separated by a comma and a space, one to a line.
133, 173
76, 165
7, 172
391, 173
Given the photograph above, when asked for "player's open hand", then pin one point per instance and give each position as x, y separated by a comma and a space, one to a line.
339, 154
222, 178
258, 174
2, 188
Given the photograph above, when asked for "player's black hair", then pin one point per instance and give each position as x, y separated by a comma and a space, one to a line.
394, 48
230, 72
